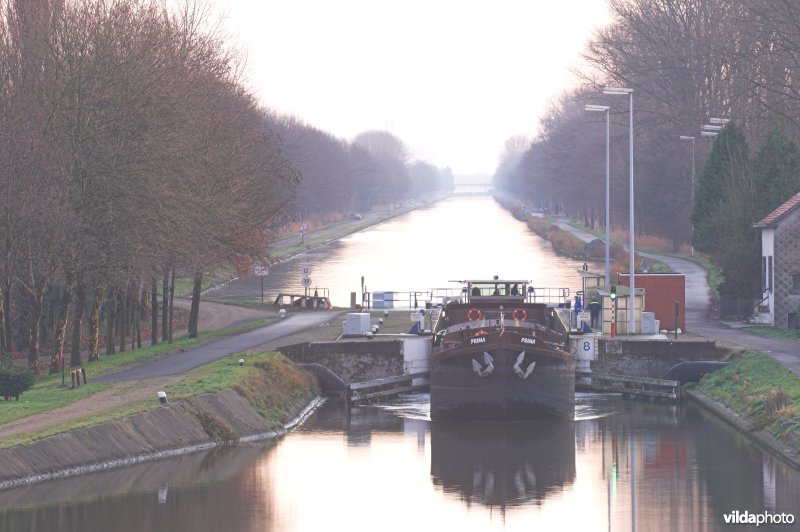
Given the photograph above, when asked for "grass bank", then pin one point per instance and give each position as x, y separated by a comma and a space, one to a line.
272, 384
48, 393
761, 391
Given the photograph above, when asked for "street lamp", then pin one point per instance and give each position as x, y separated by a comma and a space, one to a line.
605, 109
684, 137
621, 91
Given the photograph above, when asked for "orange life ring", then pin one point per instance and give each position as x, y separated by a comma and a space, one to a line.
518, 312
474, 311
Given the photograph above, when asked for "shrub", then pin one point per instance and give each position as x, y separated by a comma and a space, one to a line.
14, 383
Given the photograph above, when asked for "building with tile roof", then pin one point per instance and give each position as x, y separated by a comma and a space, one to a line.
780, 264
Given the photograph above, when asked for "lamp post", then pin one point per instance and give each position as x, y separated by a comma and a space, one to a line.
605, 109
684, 137
621, 91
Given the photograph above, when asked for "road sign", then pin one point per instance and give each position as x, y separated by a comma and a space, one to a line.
306, 282
261, 270
306, 271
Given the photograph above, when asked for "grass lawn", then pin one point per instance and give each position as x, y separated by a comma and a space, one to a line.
48, 394
773, 332
272, 399
757, 387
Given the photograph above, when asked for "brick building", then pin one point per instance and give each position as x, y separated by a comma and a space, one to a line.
780, 264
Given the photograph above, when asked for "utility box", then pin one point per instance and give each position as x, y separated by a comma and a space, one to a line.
649, 323
357, 323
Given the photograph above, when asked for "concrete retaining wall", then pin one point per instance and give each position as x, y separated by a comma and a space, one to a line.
353, 361
649, 358
192, 424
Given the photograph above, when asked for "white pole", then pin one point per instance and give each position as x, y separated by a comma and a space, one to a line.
608, 239
632, 329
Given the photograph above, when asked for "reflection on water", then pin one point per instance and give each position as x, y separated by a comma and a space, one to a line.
622, 465
456, 238
503, 464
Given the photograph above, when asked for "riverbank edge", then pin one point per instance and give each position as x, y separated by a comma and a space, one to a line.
745, 426
188, 421
326, 240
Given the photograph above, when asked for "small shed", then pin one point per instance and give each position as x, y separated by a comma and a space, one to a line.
622, 317
663, 291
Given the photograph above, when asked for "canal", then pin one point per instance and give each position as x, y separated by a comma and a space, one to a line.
621, 465
461, 237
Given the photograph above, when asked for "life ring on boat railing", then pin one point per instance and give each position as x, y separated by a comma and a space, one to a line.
474, 312
520, 314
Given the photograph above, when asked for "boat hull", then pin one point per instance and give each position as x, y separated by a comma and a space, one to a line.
459, 392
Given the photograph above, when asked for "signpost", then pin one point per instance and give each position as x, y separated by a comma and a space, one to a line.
306, 280
261, 271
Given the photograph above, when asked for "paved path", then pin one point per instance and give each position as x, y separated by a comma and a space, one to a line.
184, 361
698, 303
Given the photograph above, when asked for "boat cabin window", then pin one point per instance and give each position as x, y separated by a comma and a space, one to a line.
500, 288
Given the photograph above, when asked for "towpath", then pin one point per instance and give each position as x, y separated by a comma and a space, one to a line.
698, 304
183, 361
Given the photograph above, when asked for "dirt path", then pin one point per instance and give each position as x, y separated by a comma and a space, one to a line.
213, 316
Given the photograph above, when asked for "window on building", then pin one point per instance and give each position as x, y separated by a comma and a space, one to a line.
796, 283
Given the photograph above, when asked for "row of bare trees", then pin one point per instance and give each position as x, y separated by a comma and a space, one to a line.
339, 177
687, 61
132, 154
129, 151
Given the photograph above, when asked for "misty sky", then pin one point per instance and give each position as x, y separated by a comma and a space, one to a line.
453, 79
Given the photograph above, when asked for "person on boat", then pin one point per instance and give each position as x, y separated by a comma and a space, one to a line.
515, 290
496, 291
476, 291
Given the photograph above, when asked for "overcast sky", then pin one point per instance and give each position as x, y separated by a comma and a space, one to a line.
453, 79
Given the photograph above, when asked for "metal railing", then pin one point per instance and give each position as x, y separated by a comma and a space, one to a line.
438, 297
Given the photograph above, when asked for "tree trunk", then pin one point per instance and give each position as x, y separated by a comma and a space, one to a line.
122, 305
5, 356
111, 318
37, 301
137, 320
195, 311
165, 308
77, 323
57, 360
94, 324
171, 302
154, 311
7, 312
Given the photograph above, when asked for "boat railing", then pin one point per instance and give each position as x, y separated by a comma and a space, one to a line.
438, 297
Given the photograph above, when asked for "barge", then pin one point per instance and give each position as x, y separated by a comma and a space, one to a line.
499, 355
